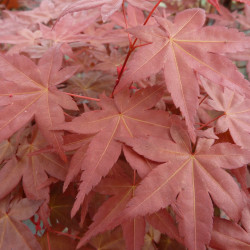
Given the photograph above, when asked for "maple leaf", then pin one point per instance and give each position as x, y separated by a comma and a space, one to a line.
107, 215
109, 63
245, 220
92, 84
24, 39
111, 240
68, 29
244, 20
8, 147
13, 233
236, 110
33, 170
135, 17
171, 244
163, 222
191, 177
134, 232
181, 49
108, 7
216, 4
60, 206
46, 11
76, 160
30, 90
229, 235
121, 116
142, 165
225, 18
51, 240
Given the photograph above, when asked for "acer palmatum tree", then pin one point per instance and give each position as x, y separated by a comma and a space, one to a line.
125, 125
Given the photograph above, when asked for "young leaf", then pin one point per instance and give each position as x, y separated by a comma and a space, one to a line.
236, 110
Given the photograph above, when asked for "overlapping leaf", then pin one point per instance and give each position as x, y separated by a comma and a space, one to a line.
13, 233
108, 214
33, 170
236, 110
228, 235
215, 3
163, 222
121, 116
112, 240
29, 89
51, 240
108, 7
181, 48
191, 176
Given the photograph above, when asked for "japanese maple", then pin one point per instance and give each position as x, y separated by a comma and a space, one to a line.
124, 124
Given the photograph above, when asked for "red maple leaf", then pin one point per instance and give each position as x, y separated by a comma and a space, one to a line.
216, 4
29, 90
108, 215
13, 232
181, 49
187, 180
121, 116
236, 110
32, 170
229, 235
108, 7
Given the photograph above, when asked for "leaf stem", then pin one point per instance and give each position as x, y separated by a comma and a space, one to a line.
65, 234
122, 70
48, 240
203, 99
205, 125
83, 97
141, 45
131, 49
134, 177
126, 22
152, 11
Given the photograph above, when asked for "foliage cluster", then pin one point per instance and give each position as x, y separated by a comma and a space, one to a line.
124, 124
